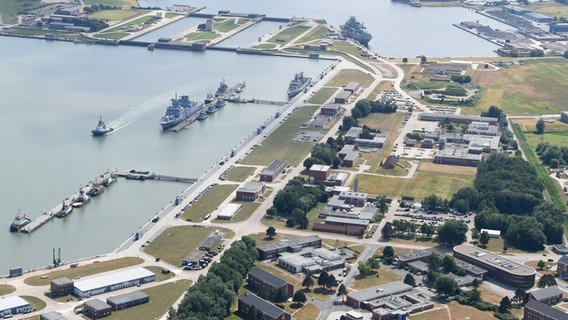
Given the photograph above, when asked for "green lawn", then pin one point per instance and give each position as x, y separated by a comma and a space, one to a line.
116, 3
351, 75
208, 202
266, 46
383, 276
176, 242
6, 289
113, 35
225, 26
9, 8
159, 275
349, 48
247, 209
170, 15
134, 22
35, 302
322, 95
162, 297
292, 33
316, 34
239, 173
281, 144
197, 36
113, 14
84, 269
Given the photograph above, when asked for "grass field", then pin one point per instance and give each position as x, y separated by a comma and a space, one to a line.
6, 289
292, 33
35, 302
349, 48
161, 299
208, 202
383, 276
9, 9
462, 312
437, 314
534, 265
322, 95
159, 275
350, 75
281, 144
439, 168
388, 124
117, 3
315, 34
537, 86
83, 270
113, 35
200, 36
113, 14
239, 173
308, 311
265, 46
134, 22
261, 238
551, 9
382, 86
176, 242
244, 213
225, 26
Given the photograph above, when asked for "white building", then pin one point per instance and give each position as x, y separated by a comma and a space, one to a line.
114, 281
13, 305
229, 211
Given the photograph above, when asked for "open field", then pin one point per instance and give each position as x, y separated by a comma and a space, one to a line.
134, 22
239, 173
117, 3
534, 265
537, 86
529, 125
437, 314
281, 144
113, 14
41, 32
347, 47
315, 34
350, 75
556, 138
244, 213
383, 276
444, 168
201, 36
159, 275
6, 289
322, 95
261, 238
225, 26
176, 242
292, 33
83, 270
461, 312
265, 46
551, 9
308, 312
113, 35
9, 8
161, 299
382, 86
388, 124
380, 185
208, 202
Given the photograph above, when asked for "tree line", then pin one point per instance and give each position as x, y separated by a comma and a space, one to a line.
552, 155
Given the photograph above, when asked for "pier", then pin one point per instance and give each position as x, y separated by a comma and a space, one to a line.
145, 175
187, 122
104, 179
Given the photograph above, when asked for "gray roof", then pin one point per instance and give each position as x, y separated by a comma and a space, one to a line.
414, 255
288, 243
267, 277
545, 293
251, 187
274, 166
420, 265
52, 316
544, 309
261, 305
61, 281
469, 268
359, 222
563, 259
127, 297
211, 241
97, 304
380, 291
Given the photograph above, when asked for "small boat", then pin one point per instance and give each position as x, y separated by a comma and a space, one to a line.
238, 90
220, 103
81, 200
210, 98
202, 115
65, 210
19, 222
101, 129
211, 109
96, 190
415, 3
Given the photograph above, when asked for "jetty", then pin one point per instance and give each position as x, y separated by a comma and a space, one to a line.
104, 179
258, 101
145, 175
230, 93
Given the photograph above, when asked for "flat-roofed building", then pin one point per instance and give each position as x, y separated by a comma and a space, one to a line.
311, 261
127, 300
60, 287
342, 97
502, 269
492, 233
537, 17
353, 133
211, 241
562, 267
331, 109
535, 310
482, 128
456, 118
352, 87
378, 141
319, 173
96, 309
229, 211
560, 249
193, 257
360, 298
52, 315
271, 250
113, 281
344, 229
549, 295
350, 159
471, 269
13, 305
265, 310
271, 172
422, 255
251, 191
458, 156
267, 282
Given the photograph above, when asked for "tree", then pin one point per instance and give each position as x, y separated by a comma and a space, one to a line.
374, 263
342, 291
520, 295
484, 238
546, 280
331, 282
308, 282
388, 252
446, 286
449, 263
364, 268
271, 232
387, 231
252, 313
434, 262
452, 232
541, 264
322, 279
505, 305
280, 296
540, 126
299, 297
271, 211
409, 280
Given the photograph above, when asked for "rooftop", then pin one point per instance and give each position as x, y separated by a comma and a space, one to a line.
127, 297
12, 302
97, 304
229, 210
267, 277
273, 167
261, 305
547, 310
545, 293
61, 281
320, 167
384, 290
112, 278
289, 243
251, 187
493, 260
359, 222
53, 316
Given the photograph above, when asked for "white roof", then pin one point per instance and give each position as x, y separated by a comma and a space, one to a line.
113, 278
7, 303
319, 167
491, 232
229, 210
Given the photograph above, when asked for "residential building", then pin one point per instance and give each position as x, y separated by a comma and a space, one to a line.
549, 295
535, 310
267, 282
60, 287
13, 305
127, 300
562, 267
96, 308
271, 172
265, 309
251, 191
272, 250
319, 173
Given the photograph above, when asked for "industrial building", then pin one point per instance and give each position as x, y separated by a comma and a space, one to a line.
113, 281
537, 17
267, 282
193, 257
265, 310
52, 316
271, 172
352, 87
229, 211
60, 287
499, 268
13, 305
558, 27
251, 191
127, 300
271, 250
311, 261
535, 310
342, 97
96, 309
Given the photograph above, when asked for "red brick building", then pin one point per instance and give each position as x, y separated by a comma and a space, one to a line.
251, 191
319, 173
267, 282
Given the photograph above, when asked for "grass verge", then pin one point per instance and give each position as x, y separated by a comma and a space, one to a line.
239, 174
322, 95
6, 289
35, 302
208, 202
160, 276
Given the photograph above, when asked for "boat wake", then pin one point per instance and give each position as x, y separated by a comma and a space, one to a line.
138, 112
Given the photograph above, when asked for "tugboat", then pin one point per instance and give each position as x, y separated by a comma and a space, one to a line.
178, 111
210, 98
220, 103
19, 222
101, 129
65, 210
223, 88
96, 190
299, 83
81, 200
202, 115
356, 30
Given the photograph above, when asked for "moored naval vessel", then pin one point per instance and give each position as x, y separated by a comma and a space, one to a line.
299, 83
179, 110
355, 30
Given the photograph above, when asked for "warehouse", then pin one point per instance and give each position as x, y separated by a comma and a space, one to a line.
13, 305
114, 281
127, 300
